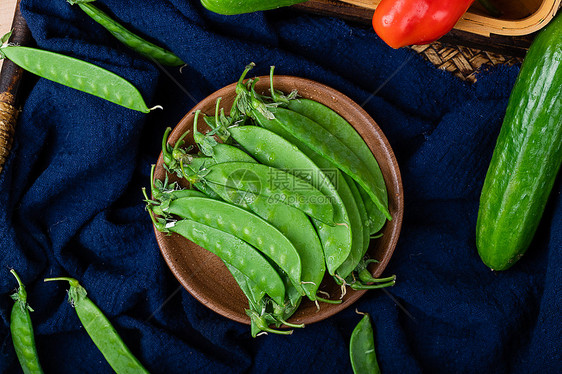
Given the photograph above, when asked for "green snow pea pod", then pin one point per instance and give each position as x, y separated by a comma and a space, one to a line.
127, 37
375, 218
22, 331
228, 153
320, 140
364, 216
100, 330
243, 225
357, 230
230, 7
77, 74
314, 136
296, 226
232, 250
173, 162
293, 223
362, 348
276, 184
274, 148
260, 317
336, 240
342, 130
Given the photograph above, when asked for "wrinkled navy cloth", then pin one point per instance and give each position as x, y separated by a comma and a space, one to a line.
71, 203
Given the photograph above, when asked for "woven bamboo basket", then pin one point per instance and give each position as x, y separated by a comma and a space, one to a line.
520, 17
462, 62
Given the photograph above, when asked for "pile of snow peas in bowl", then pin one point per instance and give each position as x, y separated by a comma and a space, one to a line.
277, 202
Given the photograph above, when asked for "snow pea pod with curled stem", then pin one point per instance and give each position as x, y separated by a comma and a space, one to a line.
362, 348
260, 319
314, 136
22, 331
290, 221
260, 313
77, 74
276, 150
127, 37
230, 249
336, 240
243, 225
341, 129
100, 330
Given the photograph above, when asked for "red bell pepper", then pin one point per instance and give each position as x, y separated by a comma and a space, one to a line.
405, 22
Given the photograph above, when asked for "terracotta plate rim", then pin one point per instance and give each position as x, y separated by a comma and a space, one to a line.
310, 89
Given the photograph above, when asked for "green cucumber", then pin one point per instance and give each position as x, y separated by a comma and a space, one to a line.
527, 155
230, 7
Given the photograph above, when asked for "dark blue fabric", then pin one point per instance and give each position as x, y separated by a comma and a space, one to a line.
71, 204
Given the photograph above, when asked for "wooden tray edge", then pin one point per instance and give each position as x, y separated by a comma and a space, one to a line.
10, 78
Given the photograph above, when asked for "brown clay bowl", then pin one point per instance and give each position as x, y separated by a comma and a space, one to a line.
205, 276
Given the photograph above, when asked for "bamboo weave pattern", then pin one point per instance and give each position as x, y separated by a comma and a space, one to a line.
463, 62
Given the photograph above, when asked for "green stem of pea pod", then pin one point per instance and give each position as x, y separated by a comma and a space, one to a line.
260, 324
205, 142
362, 279
365, 275
242, 93
277, 96
282, 313
22, 331
100, 330
127, 37
220, 122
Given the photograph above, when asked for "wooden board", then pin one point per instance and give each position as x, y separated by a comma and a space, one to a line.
7, 10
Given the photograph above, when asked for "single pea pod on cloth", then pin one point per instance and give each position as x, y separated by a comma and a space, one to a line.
76, 74
527, 156
127, 37
362, 348
71, 203
21, 329
101, 331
